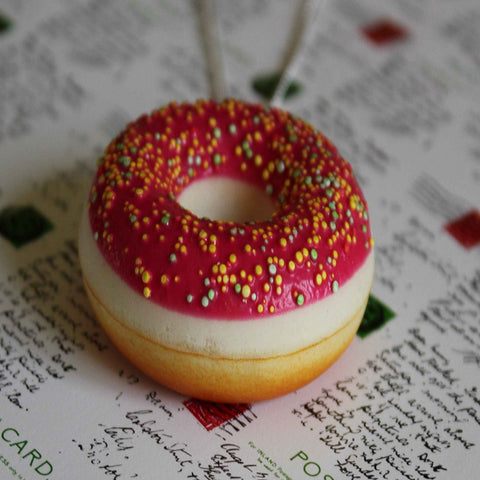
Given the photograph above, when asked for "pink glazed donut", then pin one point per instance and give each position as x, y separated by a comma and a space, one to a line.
222, 310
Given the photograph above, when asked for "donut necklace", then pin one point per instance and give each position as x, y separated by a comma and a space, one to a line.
222, 310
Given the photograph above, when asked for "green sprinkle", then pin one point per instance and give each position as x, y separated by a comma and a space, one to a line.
232, 128
189, 298
333, 226
272, 269
124, 161
281, 166
217, 159
211, 294
238, 288
206, 282
313, 254
205, 302
269, 189
173, 257
95, 236
217, 132
335, 286
300, 299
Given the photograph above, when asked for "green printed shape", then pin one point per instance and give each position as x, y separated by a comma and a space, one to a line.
5, 23
23, 224
376, 315
266, 84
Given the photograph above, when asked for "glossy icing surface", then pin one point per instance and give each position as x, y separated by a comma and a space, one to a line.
315, 241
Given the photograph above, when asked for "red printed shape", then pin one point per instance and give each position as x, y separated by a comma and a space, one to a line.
384, 31
212, 415
466, 229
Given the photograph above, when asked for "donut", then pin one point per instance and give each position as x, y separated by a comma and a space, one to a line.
222, 309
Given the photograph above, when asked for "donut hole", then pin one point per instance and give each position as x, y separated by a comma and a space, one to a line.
226, 199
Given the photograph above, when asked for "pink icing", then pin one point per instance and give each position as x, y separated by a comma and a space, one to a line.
316, 240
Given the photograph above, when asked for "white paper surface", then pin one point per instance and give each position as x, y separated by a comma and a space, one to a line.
402, 105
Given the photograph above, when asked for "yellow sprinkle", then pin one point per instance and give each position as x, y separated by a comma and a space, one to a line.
246, 291
260, 308
146, 277
232, 258
258, 270
163, 279
278, 279
318, 279
283, 242
291, 265
299, 256
147, 292
223, 269
212, 248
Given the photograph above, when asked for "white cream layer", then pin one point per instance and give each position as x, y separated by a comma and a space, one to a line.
261, 337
